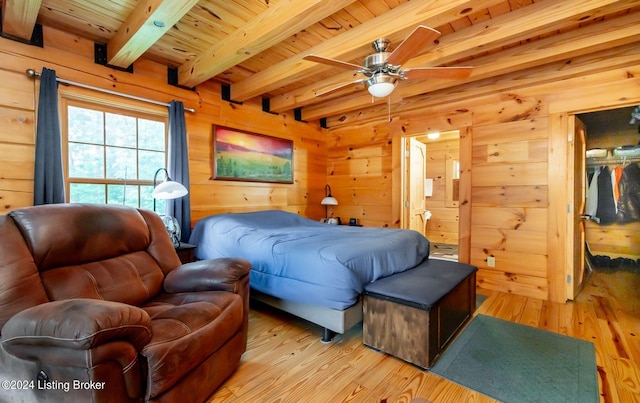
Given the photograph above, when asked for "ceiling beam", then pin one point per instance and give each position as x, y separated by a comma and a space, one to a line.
147, 23
626, 57
346, 45
271, 27
592, 38
19, 17
505, 30
306, 95
499, 31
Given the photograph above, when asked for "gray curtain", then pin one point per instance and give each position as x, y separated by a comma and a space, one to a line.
179, 168
48, 183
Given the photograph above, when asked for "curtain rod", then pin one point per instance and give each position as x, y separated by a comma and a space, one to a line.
33, 73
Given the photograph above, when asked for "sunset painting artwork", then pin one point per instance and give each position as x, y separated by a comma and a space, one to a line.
243, 156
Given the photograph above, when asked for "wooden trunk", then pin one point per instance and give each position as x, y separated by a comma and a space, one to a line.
417, 335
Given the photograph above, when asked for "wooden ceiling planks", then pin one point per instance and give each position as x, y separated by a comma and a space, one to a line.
473, 32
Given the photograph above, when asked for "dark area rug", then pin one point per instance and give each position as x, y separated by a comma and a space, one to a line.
515, 363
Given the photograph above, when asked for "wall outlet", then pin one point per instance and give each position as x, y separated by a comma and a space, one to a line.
491, 261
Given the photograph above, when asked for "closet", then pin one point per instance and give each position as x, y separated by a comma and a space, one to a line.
613, 189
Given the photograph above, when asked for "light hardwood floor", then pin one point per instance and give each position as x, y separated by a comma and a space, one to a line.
286, 362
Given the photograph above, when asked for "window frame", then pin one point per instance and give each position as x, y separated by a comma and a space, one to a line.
107, 104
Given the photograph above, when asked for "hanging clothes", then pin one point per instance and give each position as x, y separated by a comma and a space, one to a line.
591, 204
606, 211
629, 202
616, 175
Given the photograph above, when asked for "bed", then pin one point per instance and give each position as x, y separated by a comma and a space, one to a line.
310, 269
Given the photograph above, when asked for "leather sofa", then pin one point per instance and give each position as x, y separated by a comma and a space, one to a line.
95, 306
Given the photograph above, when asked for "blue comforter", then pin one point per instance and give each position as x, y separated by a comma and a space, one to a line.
298, 259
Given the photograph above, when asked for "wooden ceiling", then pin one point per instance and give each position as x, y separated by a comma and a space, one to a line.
257, 46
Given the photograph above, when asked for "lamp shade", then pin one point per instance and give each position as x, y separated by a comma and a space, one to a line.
329, 201
169, 190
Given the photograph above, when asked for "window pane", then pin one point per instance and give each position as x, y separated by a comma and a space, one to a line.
86, 161
146, 200
106, 146
85, 125
151, 134
121, 163
161, 206
149, 163
87, 193
116, 195
121, 130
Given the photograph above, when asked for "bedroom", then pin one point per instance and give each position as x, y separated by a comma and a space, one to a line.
525, 106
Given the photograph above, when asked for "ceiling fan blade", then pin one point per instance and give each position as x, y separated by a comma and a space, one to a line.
339, 87
453, 73
332, 62
412, 45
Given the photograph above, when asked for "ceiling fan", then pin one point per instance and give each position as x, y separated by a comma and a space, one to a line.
383, 69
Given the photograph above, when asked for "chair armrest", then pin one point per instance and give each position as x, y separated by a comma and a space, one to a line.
221, 274
79, 324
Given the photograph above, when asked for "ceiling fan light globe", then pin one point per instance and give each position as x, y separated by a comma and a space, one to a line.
381, 90
381, 85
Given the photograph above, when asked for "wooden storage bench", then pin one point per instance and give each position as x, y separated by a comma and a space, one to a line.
414, 314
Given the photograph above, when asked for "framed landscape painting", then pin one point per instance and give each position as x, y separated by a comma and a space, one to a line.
244, 156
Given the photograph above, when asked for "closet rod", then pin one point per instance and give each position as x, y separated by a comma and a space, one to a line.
33, 73
612, 160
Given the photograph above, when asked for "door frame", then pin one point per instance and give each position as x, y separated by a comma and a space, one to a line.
464, 207
568, 129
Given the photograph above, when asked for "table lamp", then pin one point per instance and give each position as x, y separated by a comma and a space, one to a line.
328, 201
168, 189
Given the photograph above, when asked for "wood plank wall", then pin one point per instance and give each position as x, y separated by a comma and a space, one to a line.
359, 165
509, 205
17, 139
72, 58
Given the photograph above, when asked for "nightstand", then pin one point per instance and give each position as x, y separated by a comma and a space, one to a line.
185, 252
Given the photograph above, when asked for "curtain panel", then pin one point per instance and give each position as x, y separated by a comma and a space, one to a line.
48, 183
178, 168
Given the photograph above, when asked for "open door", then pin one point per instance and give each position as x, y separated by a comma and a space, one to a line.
416, 173
577, 200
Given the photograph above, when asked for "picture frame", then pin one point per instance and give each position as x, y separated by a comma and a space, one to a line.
240, 155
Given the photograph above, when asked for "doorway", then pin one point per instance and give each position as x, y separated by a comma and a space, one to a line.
612, 235
432, 190
605, 134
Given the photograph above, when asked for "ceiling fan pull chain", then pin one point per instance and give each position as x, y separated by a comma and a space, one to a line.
389, 108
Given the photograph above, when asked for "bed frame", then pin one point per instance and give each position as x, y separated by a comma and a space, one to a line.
332, 320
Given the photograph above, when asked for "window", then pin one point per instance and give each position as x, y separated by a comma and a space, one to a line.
112, 155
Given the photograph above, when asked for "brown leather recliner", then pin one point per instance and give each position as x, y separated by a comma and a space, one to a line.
95, 306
